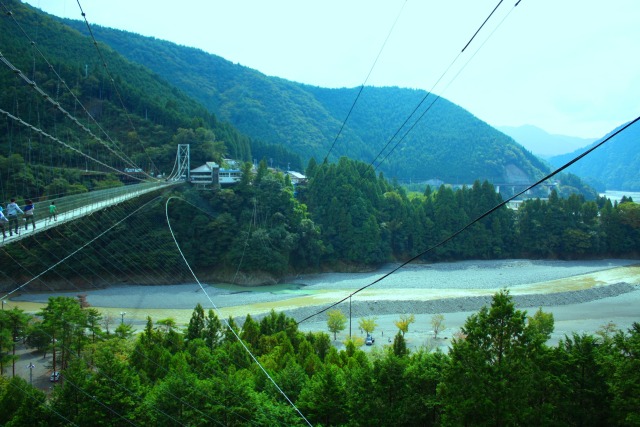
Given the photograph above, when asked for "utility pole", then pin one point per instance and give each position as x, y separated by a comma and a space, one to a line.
349, 317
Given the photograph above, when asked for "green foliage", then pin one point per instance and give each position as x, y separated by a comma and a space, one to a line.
23, 405
368, 324
336, 321
304, 118
403, 323
492, 368
144, 124
499, 372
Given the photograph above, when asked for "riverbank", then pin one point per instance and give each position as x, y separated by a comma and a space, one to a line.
414, 289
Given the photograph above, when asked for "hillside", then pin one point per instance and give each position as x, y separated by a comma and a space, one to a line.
454, 145
139, 113
542, 143
613, 166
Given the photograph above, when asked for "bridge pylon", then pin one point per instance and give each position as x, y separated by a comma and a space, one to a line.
184, 162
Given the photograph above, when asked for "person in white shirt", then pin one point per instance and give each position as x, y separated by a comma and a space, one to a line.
12, 215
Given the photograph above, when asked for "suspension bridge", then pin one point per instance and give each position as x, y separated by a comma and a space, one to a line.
72, 207
69, 208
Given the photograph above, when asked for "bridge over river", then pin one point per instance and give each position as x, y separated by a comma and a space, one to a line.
77, 206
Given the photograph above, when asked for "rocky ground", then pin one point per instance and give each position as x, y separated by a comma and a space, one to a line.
582, 295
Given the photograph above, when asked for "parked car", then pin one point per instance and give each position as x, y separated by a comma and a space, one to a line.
369, 340
55, 376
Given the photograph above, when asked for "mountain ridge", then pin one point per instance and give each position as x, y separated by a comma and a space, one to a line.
602, 168
306, 119
542, 143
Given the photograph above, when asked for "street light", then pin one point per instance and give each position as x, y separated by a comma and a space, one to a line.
31, 366
122, 313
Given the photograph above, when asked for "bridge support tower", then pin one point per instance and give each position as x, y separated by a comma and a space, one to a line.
184, 162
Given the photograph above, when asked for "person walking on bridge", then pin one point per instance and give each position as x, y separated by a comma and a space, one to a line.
29, 215
12, 215
3, 221
53, 212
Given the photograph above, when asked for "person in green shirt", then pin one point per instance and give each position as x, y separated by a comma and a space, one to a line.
53, 211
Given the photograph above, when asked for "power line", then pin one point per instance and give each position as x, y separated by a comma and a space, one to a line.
102, 260
429, 93
484, 215
113, 82
225, 321
43, 133
438, 97
60, 79
344, 122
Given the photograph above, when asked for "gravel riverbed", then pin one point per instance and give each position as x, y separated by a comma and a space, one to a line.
582, 296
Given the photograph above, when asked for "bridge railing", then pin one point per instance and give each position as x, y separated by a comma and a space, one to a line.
83, 203
77, 205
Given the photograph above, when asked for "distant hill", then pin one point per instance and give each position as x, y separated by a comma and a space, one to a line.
449, 143
543, 144
613, 166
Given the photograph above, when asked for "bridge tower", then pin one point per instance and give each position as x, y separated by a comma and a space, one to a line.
184, 162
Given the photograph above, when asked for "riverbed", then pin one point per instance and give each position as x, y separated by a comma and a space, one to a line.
454, 289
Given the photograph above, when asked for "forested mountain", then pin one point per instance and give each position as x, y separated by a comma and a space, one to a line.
449, 143
613, 166
138, 114
542, 143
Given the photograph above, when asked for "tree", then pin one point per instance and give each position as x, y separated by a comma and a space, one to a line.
250, 332
24, 405
437, 323
586, 396
541, 324
322, 397
13, 324
400, 345
169, 324
93, 321
124, 331
493, 370
114, 387
389, 386
65, 322
625, 378
336, 321
196, 324
107, 320
422, 377
5, 347
368, 324
404, 322
213, 330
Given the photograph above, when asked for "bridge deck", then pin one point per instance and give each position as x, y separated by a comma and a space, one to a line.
73, 207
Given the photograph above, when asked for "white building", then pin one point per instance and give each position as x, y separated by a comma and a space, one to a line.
205, 175
296, 177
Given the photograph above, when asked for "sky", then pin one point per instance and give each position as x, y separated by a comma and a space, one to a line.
570, 67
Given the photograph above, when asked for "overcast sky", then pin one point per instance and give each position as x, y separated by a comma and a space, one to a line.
570, 67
